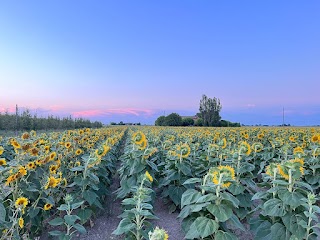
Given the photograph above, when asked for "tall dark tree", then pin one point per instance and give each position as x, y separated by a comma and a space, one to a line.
210, 111
160, 121
173, 119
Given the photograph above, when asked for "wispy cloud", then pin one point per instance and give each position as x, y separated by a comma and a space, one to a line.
250, 105
117, 111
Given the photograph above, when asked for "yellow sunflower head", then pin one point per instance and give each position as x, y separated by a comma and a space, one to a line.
1, 150
257, 147
223, 175
244, 148
21, 203
148, 176
47, 206
138, 137
3, 162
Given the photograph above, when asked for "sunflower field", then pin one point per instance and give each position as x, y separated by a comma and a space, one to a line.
222, 181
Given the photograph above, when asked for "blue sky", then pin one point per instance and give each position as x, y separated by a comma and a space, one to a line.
135, 60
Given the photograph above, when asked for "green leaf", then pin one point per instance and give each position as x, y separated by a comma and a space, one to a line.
76, 205
129, 201
63, 207
293, 199
192, 181
190, 196
80, 228
222, 212
84, 214
94, 177
124, 226
202, 227
273, 207
220, 235
33, 212
278, 231
3, 212
229, 197
71, 219
75, 169
234, 220
90, 196
56, 233
56, 222
261, 229
206, 198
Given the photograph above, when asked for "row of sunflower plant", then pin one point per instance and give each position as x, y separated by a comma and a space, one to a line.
137, 171
221, 178
58, 179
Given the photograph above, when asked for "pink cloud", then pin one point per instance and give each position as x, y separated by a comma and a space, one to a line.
121, 111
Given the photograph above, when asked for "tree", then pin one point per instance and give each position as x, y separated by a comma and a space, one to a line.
187, 122
173, 119
199, 122
160, 121
210, 111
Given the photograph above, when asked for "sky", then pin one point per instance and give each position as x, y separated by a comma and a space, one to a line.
134, 61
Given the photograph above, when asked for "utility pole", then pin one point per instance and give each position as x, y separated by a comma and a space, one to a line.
16, 119
283, 116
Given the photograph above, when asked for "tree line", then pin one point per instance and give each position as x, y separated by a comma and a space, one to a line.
27, 121
208, 116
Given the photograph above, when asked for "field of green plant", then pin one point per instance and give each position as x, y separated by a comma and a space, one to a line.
221, 181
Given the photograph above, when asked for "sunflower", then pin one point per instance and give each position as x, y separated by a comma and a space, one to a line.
257, 147
53, 169
222, 143
47, 206
185, 150
21, 222
315, 138
147, 174
21, 202
296, 167
298, 150
158, 234
47, 148
67, 145
31, 165
223, 175
271, 169
78, 152
15, 144
292, 139
138, 137
143, 145
52, 156
3, 162
25, 136
244, 148
1, 150
10, 179
52, 182
34, 151
22, 171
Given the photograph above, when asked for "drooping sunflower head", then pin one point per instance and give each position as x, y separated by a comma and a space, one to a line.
138, 137
244, 148
143, 145
223, 175
272, 169
185, 150
257, 147
293, 167
298, 151
158, 234
21, 222
222, 143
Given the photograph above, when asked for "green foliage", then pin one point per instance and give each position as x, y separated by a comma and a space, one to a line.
172, 119
187, 122
210, 111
